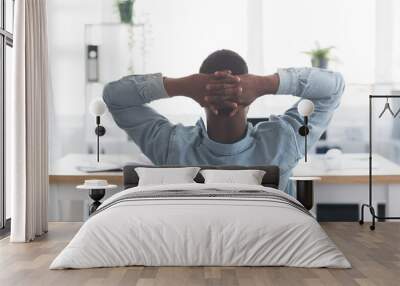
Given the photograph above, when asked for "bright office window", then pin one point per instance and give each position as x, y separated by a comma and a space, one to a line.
289, 28
292, 27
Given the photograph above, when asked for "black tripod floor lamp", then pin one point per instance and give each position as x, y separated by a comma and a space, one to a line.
371, 208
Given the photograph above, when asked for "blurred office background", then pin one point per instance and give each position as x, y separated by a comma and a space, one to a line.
89, 45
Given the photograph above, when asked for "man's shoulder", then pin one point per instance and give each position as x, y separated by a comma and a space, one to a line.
273, 124
274, 130
278, 138
187, 132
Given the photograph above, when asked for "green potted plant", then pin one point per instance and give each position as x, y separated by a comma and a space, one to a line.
320, 57
125, 8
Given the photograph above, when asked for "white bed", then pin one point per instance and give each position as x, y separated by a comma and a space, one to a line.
245, 225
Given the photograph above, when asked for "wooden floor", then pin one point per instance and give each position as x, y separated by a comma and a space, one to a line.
375, 257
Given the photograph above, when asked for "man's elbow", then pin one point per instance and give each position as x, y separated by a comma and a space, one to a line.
107, 94
338, 89
113, 95
340, 84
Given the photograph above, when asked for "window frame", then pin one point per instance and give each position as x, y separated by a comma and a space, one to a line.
6, 39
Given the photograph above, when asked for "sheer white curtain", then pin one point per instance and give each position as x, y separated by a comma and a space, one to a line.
27, 123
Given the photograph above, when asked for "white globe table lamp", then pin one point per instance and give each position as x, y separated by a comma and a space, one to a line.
97, 108
305, 109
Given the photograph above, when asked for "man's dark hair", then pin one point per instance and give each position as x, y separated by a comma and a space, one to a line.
224, 60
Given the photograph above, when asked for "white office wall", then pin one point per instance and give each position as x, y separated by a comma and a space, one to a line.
388, 43
396, 46
180, 35
183, 33
66, 20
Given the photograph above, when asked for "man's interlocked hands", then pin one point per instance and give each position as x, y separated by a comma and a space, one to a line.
222, 92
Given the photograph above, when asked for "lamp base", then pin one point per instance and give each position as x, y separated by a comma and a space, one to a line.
96, 195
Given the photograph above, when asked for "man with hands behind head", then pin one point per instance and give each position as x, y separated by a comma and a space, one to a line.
225, 89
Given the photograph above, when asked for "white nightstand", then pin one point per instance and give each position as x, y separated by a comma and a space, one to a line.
97, 190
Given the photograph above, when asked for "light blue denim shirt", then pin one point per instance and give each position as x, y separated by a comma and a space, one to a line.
274, 142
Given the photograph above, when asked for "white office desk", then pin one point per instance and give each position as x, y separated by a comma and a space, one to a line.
353, 169
66, 203
347, 184
65, 170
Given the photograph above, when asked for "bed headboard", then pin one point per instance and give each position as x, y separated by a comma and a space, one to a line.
270, 179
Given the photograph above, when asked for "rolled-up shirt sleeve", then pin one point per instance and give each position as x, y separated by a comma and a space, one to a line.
127, 100
134, 90
323, 87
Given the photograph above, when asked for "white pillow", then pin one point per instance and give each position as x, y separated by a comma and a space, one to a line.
248, 177
165, 176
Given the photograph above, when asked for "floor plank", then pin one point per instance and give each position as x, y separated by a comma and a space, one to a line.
375, 257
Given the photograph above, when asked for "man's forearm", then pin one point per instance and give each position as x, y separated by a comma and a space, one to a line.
176, 86
268, 84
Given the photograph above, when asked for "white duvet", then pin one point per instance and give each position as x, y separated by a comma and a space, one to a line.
200, 231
